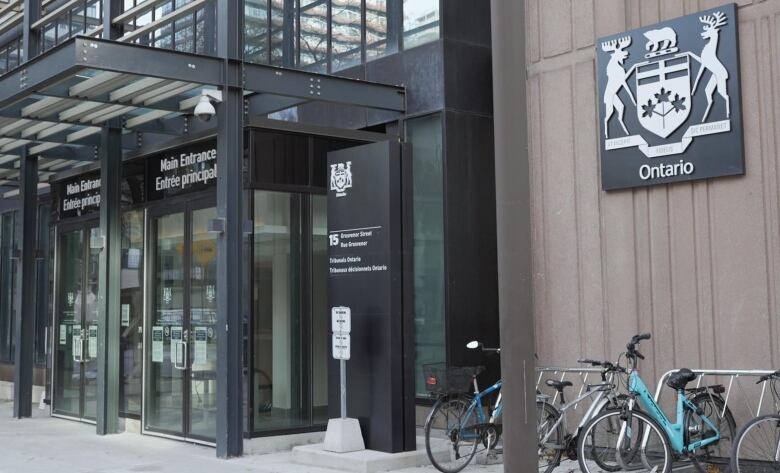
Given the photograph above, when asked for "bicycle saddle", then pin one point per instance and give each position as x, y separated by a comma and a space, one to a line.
679, 379
558, 385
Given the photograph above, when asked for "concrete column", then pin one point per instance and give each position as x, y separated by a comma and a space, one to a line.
513, 218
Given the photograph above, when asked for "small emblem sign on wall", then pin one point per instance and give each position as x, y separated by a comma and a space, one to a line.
669, 103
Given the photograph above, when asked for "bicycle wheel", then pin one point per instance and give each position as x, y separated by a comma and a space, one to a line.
716, 455
550, 437
600, 440
757, 448
447, 425
610, 464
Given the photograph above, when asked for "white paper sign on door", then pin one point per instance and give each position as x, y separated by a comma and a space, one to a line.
63, 334
76, 341
92, 350
125, 315
157, 344
177, 348
201, 346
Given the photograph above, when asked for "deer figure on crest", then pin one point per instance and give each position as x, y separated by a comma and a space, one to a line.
709, 61
616, 80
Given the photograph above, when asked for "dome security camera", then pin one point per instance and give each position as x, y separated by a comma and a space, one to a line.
205, 110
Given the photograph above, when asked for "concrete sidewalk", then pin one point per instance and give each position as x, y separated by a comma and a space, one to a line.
48, 445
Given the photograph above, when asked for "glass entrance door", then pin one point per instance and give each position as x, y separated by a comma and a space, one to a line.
181, 338
75, 369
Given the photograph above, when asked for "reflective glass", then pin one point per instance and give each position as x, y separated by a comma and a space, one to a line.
320, 326
165, 408
347, 33
283, 32
90, 327
425, 136
256, 31
68, 330
185, 34
314, 36
421, 22
202, 334
131, 312
7, 284
376, 30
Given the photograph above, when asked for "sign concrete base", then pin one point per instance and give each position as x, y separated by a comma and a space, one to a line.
343, 436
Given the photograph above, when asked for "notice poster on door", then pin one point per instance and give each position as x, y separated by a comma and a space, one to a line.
63, 334
92, 350
201, 346
157, 344
177, 351
76, 341
125, 315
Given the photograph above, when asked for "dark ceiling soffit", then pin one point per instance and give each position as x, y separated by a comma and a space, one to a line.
320, 87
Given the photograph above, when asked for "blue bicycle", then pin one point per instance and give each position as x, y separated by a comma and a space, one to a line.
459, 426
702, 432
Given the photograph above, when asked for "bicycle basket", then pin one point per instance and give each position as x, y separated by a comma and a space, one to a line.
441, 379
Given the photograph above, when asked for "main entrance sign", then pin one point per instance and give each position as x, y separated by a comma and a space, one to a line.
681, 87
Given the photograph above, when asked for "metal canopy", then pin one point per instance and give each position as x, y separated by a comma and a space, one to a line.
55, 105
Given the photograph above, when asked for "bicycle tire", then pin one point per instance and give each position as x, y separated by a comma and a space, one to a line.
548, 415
650, 423
459, 404
615, 467
747, 452
719, 453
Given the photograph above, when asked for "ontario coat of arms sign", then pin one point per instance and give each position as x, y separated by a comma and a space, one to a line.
670, 101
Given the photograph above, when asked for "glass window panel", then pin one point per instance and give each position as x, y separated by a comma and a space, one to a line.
49, 36
421, 22
41, 282
7, 284
91, 307
425, 136
277, 350
314, 37
3, 61
185, 34
283, 27
94, 13
131, 312
163, 37
256, 31
163, 10
376, 30
320, 316
13, 57
128, 5
77, 21
203, 323
143, 20
346, 33
63, 29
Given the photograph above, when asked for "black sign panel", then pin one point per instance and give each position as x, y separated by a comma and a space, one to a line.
669, 101
364, 235
79, 195
186, 169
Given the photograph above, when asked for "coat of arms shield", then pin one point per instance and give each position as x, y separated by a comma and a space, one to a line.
663, 92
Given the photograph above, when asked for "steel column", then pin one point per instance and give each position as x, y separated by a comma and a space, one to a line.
24, 332
230, 152
109, 280
513, 218
30, 38
111, 8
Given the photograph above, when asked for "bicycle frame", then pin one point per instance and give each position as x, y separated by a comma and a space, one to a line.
595, 407
476, 406
675, 432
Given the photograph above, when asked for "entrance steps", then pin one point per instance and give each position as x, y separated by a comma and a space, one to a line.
280, 443
366, 461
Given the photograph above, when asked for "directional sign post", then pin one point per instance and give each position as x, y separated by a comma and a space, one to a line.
341, 324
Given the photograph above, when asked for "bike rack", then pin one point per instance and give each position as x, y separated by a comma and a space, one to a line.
582, 377
734, 378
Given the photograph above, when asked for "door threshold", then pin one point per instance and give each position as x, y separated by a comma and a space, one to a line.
179, 438
77, 419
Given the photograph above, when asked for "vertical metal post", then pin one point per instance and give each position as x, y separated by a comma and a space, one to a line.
513, 219
30, 38
230, 154
109, 280
24, 332
111, 8
343, 366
